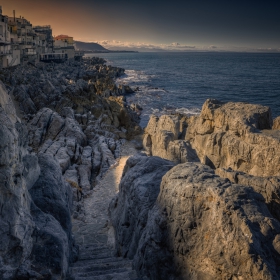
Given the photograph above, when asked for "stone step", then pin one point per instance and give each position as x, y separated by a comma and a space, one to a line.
99, 271
95, 250
90, 267
128, 275
96, 256
98, 260
94, 246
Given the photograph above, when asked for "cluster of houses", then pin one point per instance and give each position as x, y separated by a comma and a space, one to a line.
20, 42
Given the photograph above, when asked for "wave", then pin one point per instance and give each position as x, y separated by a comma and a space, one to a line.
134, 77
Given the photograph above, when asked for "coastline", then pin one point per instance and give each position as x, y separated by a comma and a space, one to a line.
66, 155
185, 80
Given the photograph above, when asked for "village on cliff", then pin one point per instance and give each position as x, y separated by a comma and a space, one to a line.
21, 42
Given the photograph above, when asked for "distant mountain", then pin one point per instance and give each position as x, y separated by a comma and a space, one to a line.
89, 47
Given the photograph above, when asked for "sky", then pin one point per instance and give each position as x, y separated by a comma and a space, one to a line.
159, 25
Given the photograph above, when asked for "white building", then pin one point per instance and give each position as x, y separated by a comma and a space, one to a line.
6, 54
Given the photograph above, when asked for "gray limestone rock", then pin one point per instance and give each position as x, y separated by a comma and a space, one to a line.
204, 227
138, 192
163, 138
225, 135
52, 195
236, 135
268, 187
16, 223
276, 123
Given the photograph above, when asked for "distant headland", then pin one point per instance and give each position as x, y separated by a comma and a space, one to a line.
89, 47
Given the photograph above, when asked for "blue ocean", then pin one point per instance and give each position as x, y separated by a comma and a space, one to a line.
181, 82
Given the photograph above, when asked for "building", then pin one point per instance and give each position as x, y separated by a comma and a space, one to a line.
45, 38
64, 44
24, 39
6, 54
21, 42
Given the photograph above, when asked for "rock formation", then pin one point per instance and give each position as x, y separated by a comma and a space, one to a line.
200, 227
204, 227
224, 135
276, 123
268, 187
36, 240
62, 126
164, 137
138, 192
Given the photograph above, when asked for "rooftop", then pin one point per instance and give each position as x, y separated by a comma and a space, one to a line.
61, 37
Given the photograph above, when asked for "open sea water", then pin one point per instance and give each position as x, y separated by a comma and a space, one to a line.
182, 82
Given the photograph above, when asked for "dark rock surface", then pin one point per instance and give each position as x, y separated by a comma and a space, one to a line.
268, 187
62, 126
204, 227
138, 192
16, 223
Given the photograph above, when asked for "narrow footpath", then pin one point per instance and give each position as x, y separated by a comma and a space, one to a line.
95, 237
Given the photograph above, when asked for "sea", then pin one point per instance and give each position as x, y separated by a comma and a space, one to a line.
168, 82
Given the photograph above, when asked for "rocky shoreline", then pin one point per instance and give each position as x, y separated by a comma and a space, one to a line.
202, 202
62, 127
215, 215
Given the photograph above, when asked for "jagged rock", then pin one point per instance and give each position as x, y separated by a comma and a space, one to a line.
123, 115
237, 136
51, 193
162, 136
64, 160
53, 196
268, 187
51, 250
31, 170
124, 89
225, 135
138, 192
50, 98
71, 176
276, 123
204, 227
85, 168
16, 224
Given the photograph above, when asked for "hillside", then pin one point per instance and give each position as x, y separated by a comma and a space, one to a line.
90, 46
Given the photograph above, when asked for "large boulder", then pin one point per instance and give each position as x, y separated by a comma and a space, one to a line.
225, 135
268, 187
54, 246
16, 223
35, 230
236, 135
138, 192
164, 137
276, 123
205, 227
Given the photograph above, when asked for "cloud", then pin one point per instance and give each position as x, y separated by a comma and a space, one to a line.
114, 44
175, 46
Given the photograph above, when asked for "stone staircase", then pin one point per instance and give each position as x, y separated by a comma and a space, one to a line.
95, 236
97, 262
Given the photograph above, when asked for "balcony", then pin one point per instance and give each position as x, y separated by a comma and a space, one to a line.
31, 34
30, 51
2, 53
4, 41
